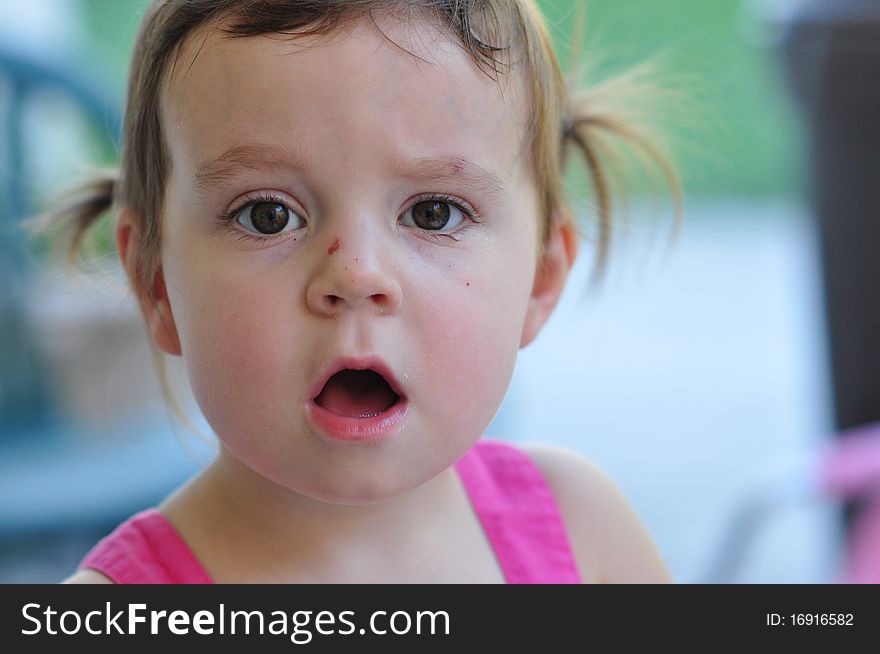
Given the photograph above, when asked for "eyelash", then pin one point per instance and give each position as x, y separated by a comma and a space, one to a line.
227, 218
472, 216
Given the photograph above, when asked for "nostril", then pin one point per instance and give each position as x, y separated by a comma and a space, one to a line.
328, 295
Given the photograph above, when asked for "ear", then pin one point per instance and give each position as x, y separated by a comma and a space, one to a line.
154, 298
552, 271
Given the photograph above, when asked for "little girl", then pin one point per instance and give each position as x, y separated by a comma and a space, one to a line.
346, 216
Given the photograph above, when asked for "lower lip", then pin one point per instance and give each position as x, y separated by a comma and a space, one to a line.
341, 428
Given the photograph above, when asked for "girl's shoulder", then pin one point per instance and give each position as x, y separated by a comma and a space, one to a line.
87, 577
145, 549
610, 543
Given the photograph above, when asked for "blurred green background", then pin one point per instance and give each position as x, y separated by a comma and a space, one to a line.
734, 134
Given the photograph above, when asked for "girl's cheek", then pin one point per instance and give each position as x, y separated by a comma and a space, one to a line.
229, 322
240, 360
470, 342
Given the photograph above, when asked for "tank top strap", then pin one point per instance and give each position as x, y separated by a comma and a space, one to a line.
519, 514
146, 549
510, 497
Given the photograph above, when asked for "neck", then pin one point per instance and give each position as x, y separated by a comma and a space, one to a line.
251, 518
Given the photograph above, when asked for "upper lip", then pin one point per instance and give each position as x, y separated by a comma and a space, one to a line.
355, 363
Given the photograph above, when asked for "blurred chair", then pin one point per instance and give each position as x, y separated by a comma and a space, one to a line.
846, 469
25, 396
58, 482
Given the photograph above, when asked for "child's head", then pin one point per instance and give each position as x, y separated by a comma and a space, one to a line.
372, 185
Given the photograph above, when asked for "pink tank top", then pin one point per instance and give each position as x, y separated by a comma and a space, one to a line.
513, 502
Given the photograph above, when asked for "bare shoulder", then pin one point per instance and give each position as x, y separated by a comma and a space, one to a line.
610, 543
87, 577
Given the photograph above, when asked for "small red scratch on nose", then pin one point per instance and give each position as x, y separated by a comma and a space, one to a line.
333, 247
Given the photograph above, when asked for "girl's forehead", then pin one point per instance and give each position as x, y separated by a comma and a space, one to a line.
407, 89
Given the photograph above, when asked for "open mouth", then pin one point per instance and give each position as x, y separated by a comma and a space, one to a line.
357, 394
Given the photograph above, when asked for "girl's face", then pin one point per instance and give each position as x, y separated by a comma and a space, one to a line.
337, 203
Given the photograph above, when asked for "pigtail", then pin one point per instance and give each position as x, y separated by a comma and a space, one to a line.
600, 124
78, 212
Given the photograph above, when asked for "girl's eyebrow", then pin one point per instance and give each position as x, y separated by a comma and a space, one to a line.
214, 172
456, 168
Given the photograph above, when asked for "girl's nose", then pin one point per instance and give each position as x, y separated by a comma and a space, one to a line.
353, 281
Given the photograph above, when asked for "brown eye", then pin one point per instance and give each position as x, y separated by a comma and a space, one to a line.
269, 217
431, 214
438, 214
